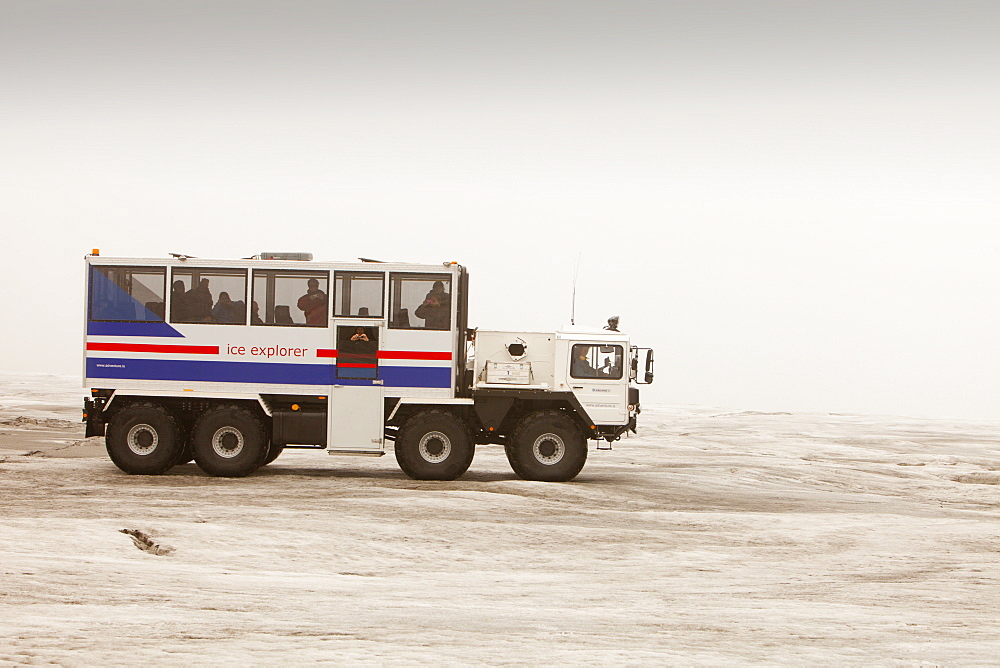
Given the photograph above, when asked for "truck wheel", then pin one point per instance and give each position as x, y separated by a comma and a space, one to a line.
434, 445
143, 439
547, 446
229, 441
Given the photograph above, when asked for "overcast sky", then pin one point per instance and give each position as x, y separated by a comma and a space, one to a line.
794, 203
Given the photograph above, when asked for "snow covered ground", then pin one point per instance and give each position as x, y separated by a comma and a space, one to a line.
715, 537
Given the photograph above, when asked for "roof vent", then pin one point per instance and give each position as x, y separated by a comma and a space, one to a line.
300, 257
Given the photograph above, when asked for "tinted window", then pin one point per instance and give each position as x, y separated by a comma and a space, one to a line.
358, 294
357, 352
289, 297
208, 295
593, 361
420, 301
133, 294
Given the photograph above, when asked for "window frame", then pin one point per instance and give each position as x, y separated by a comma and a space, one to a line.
281, 272
145, 269
446, 278
194, 272
347, 273
620, 354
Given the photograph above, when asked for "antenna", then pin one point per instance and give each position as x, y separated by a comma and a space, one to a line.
576, 272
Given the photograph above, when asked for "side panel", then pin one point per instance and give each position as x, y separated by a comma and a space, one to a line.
539, 353
182, 357
356, 422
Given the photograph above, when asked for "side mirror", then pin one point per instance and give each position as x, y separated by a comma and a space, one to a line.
649, 367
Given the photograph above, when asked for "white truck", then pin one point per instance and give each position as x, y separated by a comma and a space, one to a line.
228, 362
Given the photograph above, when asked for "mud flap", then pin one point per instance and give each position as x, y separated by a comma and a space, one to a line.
91, 416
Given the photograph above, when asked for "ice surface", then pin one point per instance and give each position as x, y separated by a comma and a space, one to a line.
715, 537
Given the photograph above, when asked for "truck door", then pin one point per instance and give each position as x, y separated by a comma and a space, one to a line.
355, 401
599, 381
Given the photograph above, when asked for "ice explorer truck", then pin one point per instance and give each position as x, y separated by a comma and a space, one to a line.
228, 362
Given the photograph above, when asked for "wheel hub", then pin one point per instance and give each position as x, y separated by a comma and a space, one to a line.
549, 449
142, 439
227, 442
434, 447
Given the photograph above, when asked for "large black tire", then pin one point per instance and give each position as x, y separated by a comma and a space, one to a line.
547, 446
434, 445
143, 439
229, 441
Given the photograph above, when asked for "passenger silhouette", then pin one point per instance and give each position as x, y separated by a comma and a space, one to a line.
436, 309
178, 302
314, 303
199, 303
227, 311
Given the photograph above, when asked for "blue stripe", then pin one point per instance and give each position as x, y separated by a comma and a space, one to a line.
131, 329
258, 372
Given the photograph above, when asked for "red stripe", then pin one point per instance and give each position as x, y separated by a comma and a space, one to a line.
153, 348
395, 354
412, 355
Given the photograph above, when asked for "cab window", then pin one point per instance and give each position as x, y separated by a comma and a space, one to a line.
290, 298
358, 294
215, 296
420, 301
127, 294
596, 361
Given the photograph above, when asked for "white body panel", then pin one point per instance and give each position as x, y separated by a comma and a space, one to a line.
356, 422
491, 346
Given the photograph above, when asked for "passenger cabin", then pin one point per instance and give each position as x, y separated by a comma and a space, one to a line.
274, 326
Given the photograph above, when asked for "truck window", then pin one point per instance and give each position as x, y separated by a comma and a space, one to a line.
288, 297
215, 296
127, 294
358, 294
420, 301
596, 361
